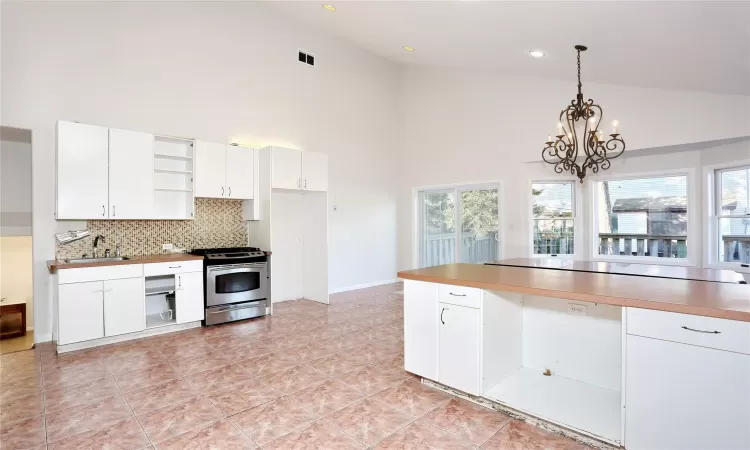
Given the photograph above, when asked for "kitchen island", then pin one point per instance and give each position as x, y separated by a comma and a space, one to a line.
633, 361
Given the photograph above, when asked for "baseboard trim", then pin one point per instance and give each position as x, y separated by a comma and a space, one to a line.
127, 337
364, 285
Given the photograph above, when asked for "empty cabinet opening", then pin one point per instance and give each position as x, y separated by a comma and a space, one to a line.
160, 301
556, 359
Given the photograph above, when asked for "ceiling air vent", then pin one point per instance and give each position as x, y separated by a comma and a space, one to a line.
306, 58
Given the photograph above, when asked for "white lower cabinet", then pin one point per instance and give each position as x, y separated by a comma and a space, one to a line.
80, 311
124, 306
189, 297
682, 396
421, 328
459, 348
441, 340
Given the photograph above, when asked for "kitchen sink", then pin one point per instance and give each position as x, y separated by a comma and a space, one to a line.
96, 260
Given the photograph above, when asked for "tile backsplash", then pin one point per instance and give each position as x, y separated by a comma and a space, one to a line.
217, 223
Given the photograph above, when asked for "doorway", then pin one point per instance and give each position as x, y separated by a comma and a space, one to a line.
459, 224
16, 281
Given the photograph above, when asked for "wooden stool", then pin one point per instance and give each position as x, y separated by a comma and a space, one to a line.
14, 308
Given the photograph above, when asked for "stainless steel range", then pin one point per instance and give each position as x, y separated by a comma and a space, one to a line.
236, 283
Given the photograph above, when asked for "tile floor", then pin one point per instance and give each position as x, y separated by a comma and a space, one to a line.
310, 377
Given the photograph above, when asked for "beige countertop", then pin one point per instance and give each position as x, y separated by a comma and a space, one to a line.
54, 265
702, 298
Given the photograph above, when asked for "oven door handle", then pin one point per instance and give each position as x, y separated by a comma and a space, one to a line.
224, 271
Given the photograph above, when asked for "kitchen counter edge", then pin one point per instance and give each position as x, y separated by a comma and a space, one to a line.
54, 265
701, 298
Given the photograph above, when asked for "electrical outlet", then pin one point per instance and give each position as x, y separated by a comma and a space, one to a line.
167, 246
576, 309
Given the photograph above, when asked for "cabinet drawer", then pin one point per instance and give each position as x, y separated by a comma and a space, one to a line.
170, 268
459, 295
85, 274
721, 334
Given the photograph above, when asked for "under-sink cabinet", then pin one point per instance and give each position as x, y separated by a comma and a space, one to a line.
107, 301
630, 377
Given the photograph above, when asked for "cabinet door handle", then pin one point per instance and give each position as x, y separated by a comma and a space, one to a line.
222, 191
305, 183
179, 282
113, 210
457, 295
441, 316
104, 210
700, 331
230, 191
299, 182
174, 267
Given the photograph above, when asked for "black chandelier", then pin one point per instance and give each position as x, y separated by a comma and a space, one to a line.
582, 117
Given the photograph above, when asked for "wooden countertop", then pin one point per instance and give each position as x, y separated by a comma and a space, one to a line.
54, 265
636, 269
702, 298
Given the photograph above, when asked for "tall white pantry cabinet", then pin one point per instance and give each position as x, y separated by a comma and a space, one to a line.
292, 203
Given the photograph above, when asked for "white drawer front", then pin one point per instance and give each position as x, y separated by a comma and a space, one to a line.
84, 274
459, 295
170, 268
722, 334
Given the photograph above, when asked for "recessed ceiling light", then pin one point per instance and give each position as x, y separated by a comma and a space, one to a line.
536, 53
408, 49
329, 7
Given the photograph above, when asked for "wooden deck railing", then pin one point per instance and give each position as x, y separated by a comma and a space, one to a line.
736, 248
645, 245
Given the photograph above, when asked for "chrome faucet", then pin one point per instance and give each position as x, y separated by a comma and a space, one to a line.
96, 245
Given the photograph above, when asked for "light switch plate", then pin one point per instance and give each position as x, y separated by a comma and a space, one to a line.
167, 246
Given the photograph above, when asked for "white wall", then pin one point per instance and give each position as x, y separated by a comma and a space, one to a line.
15, 182
218, 71
467, 127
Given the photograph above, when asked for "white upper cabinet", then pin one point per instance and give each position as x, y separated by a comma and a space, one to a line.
210, 170
298, 170
286, 168
131, 174
314, 171
82, 171
240, 172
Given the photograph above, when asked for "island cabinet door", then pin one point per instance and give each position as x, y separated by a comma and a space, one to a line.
421, 328
681, 396
459, 348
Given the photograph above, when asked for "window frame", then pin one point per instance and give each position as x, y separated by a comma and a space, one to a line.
418, 214
577, 217
712, 200
693, 239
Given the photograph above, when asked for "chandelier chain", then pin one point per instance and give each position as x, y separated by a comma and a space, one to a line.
579, 72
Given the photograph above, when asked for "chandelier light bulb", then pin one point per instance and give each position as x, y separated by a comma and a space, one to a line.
559, 129
615, 123
549, 138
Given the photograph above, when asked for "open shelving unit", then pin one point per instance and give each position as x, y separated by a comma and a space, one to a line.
173, 178
527, 335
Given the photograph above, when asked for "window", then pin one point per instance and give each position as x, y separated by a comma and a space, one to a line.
553, 218
444, 241
642, 217
733, 213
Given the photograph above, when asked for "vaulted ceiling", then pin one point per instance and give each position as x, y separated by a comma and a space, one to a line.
703, 46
